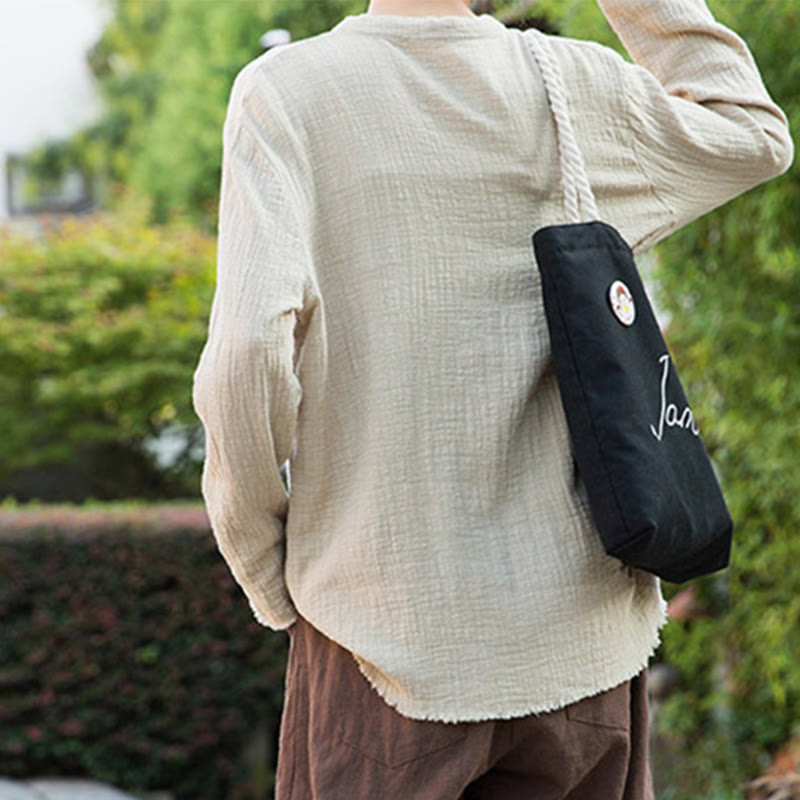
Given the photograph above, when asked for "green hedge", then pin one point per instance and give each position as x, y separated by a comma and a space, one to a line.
129, 655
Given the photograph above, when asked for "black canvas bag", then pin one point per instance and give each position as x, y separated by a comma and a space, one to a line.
651, 487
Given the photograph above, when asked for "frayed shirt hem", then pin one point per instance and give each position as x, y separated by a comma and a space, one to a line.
399, 702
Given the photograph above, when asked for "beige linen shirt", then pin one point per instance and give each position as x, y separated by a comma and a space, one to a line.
378, 321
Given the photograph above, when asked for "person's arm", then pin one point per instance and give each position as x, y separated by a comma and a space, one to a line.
697, 126
246, 390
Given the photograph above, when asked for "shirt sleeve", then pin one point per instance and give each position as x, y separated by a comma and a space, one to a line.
246, 387
691, 124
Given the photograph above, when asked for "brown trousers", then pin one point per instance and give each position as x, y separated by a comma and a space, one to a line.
339, 740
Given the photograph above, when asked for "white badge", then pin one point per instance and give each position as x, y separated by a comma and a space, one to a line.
621, 299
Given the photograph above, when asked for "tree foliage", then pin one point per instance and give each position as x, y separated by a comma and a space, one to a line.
102, 323
164, 69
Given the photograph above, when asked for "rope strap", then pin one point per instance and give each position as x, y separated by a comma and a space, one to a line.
578, 193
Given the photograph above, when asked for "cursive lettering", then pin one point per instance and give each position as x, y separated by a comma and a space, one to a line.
670, 416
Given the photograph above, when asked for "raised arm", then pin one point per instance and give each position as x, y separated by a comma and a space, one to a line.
690, 124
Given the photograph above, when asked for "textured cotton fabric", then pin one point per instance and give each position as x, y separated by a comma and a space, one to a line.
378, 320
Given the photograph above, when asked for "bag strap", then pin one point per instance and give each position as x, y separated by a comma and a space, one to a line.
578, 195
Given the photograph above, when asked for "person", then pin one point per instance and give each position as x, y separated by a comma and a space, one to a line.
456, 628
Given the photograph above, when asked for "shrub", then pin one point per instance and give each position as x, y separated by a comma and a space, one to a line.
102, 323
129, 655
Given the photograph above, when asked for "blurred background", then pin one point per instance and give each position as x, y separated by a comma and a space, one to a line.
127, 654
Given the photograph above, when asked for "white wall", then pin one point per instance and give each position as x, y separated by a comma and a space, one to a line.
46, 90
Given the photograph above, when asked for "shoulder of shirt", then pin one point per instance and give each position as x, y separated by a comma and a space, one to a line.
286, 65
270, 98
593, 71
270, 87
586, 55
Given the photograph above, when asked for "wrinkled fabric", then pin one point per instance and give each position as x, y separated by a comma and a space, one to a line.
378, 324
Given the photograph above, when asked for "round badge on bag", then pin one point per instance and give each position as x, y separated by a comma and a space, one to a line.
621, 299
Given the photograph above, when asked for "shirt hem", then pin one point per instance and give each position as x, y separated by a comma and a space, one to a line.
480, 713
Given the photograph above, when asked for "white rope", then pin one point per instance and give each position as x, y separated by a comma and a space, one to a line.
574, 180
